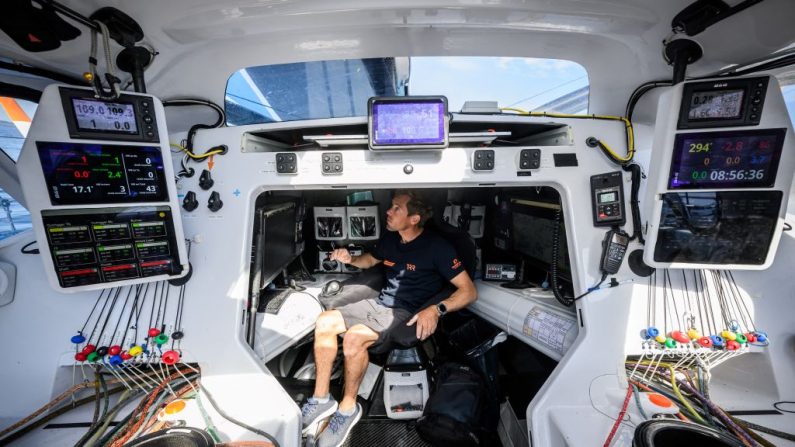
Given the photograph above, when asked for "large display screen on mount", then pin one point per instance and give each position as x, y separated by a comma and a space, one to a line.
723, 227
408, 122
104, 116
84, 174
721, 160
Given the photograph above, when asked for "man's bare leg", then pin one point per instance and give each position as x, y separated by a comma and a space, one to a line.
357, 339
329, 325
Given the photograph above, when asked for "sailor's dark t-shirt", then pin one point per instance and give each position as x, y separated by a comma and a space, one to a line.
415, 271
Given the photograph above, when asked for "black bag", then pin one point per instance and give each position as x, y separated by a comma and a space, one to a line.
453, 412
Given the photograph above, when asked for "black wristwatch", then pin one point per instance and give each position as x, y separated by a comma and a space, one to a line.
441, 309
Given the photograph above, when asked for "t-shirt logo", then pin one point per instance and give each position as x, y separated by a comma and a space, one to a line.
411, 267
456, 264
388, 263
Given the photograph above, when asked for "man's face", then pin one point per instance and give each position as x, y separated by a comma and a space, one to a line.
397, 216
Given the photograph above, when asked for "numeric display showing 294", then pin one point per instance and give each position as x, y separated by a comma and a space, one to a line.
725, 157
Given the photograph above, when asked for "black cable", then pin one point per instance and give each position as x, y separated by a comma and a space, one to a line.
787, 227
787, 402
184, 102
235, 421
52, 415
634, 203
639, 92
35, 251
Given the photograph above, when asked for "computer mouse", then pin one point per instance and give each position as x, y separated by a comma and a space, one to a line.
332, 288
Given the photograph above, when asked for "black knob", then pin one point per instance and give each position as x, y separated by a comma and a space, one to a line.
215, 202
206, 180
189, 202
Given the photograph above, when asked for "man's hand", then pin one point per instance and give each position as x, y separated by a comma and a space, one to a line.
342, 255
426, 320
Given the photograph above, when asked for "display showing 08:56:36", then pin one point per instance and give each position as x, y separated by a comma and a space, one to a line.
733, 174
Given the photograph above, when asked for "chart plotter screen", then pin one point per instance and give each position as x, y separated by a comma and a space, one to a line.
408, 122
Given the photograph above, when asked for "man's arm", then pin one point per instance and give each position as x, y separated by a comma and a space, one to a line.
465, 294
365, 261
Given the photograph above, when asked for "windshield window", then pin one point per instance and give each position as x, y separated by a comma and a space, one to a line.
340, 88
15, 116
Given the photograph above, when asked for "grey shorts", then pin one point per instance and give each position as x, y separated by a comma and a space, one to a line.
373, 314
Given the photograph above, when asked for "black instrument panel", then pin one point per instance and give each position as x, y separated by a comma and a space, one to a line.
100, 245
81, 174
128, 118
725, 227
722, 103
726, 159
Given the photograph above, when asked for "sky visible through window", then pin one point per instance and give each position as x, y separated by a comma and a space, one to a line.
523, 83
340, 88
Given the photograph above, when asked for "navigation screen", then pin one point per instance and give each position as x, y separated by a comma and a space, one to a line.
104, 116
716, 104
79, 174
725, 227
719, 160
409, 122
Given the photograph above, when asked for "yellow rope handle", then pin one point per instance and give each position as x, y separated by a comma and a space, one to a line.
627, 125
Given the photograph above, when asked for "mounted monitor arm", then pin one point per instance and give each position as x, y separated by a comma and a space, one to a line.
680, 53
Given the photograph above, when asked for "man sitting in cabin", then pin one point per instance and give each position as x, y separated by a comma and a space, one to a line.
418, 262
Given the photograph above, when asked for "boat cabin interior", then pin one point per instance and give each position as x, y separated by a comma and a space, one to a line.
192, 190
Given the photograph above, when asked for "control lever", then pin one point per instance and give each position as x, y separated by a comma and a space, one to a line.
215, 203
206, 180
189, 202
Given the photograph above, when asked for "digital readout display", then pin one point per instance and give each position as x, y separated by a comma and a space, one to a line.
607, 197
104, 116
716, 104
78, 173
408, 123
720, 160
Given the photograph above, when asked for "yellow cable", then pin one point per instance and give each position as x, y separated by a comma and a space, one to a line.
674, 386
196, 156
627, 123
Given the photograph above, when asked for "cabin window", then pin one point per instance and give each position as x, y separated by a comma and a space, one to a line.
787, 81
340, 88
15, 116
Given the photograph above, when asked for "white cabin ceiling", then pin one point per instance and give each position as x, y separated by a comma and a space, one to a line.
201, 43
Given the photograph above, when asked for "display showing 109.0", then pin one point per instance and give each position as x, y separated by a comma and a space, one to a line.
719, 160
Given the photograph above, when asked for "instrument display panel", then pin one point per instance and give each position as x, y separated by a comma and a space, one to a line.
721, 160
84, 174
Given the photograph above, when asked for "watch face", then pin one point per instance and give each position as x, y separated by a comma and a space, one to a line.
442, 308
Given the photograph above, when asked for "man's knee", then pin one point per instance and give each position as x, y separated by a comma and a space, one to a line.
330, 322
357, 339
